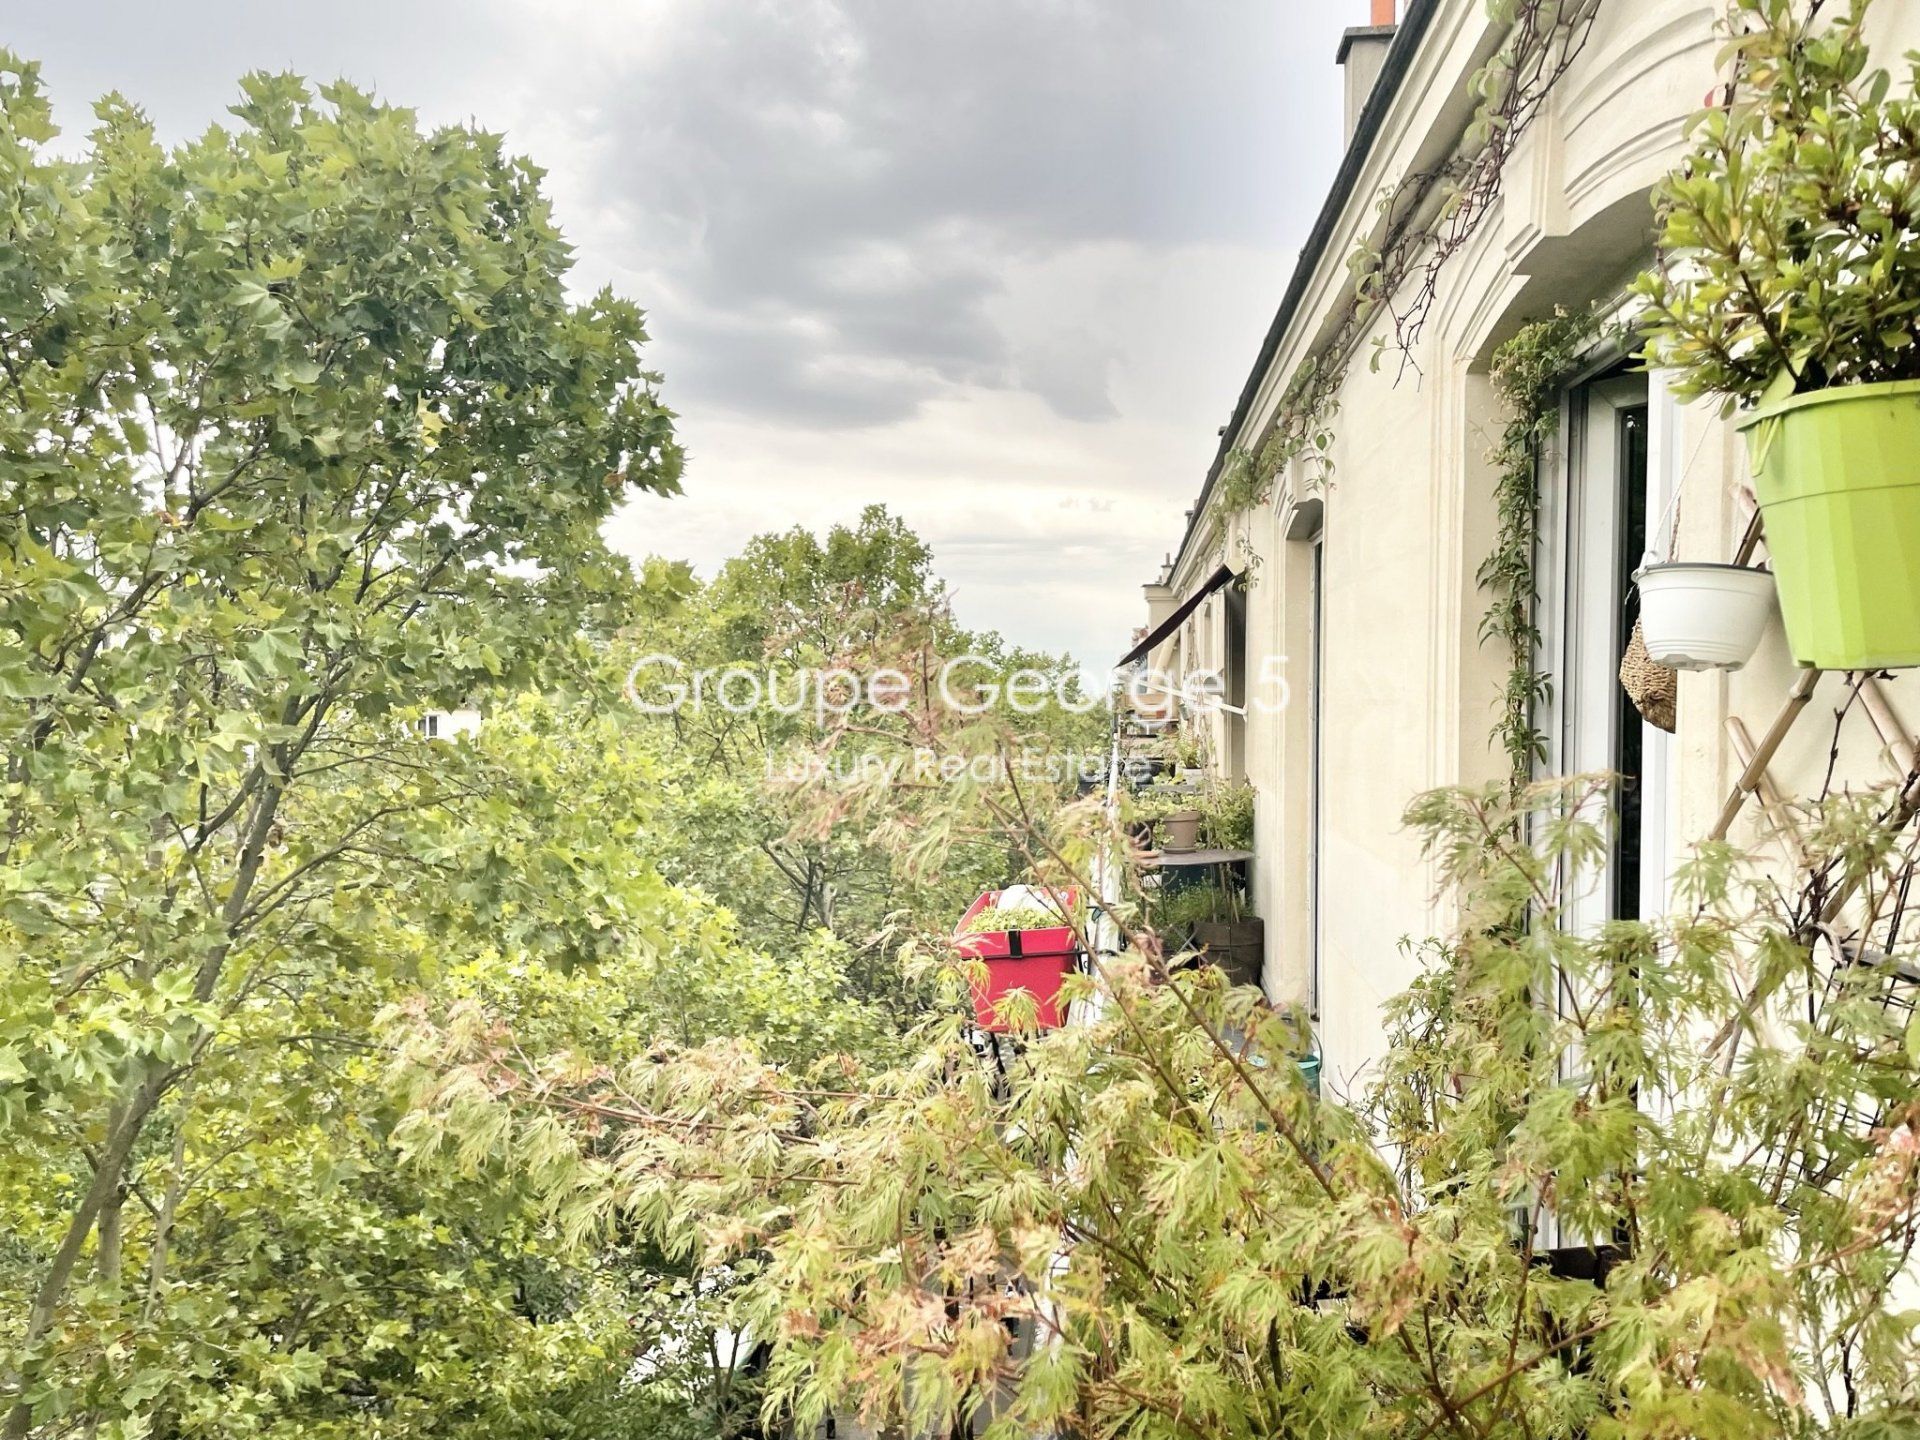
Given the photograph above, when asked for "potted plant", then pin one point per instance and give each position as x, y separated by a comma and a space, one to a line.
1696, 616
1188, 758
1179, 830
1788, 283
1138, 770
1212, 918
1173, 815
1027, 940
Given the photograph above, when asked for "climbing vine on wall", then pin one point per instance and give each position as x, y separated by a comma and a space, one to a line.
1426, 217
1512, 90
1528, 374
1302, 428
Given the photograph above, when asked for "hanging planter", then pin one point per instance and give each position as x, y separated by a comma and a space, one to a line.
1783, 284
1654, 689
1838, 476
1703, 617
1034, 957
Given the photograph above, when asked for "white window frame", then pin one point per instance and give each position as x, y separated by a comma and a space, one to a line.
1580, 647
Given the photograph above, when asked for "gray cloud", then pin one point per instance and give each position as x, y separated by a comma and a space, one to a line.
182, 60
836, 186
999, 263
824, 195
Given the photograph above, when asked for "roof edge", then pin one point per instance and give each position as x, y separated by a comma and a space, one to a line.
1355, 34
1407, 37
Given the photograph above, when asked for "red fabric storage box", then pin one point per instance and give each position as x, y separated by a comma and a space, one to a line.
1032, 960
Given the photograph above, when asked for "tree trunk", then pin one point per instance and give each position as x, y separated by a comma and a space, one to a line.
129, 1120
107, 1182
169, 1204
106, 1260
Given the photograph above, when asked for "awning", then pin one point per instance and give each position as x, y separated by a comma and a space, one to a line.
1179, 617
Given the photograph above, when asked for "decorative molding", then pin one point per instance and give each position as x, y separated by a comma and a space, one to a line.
1535, 209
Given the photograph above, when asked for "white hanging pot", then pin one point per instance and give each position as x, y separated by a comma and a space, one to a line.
1704, 617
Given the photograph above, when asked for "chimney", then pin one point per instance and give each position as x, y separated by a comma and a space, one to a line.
1363, 51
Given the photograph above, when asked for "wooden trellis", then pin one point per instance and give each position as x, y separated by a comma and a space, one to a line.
1756, 781
1896, 740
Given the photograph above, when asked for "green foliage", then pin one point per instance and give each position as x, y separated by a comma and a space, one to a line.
300, 434
1145, 1224
1226, 814
1188, 749
1529, 373
1156, 802
1790, 237
1302, 431
801, 597
1175, 912
1014, 917
741, 820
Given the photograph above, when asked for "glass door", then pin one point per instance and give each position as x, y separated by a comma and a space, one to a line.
1595, 529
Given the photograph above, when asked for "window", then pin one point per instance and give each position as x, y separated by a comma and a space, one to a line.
1629, 745
1316, 648
1614, 471
1304, 526
1594, 534
1595, 525
1234, 685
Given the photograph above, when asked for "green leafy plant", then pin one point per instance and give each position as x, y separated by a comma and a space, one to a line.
1175, 912
1424, 219
790, 604
1156, 802
1226, 814
1790, 237
303, 428
1015, 917
1150, 1226
1529, 372
1189, 752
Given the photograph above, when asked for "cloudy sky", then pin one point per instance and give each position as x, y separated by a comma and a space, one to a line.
999, 264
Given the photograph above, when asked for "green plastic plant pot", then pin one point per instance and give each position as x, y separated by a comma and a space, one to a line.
1310, 1071
1838, 476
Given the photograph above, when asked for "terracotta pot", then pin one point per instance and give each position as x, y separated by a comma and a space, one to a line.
1180, 831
